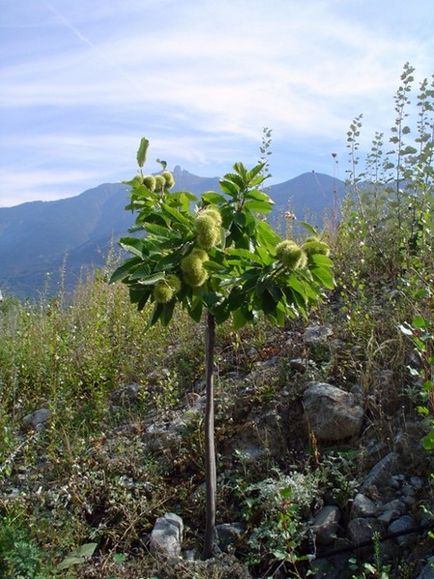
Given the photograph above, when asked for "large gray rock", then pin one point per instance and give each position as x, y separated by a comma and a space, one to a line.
229, 534
363, 507
382, 471
362, 529
37, 419
314, 335
325, 525
332, 413
166, 536
401, 525
428, 571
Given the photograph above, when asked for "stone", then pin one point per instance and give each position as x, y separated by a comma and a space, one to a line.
37, 419
382, 471
332, 413
362, 529
326, 524
316, 335
317, 339
428, 571
166, 536
363, 507
126, 395
416, 482
228, 535
298, 365
404, 523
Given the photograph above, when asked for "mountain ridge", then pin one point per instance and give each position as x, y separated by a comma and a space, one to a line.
37, 237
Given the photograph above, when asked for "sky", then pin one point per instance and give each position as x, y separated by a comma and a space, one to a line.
82, 81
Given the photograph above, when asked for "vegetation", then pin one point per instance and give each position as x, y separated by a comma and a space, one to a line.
124, 439
220, 257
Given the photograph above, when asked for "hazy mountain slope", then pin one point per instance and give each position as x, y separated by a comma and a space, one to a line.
37, 238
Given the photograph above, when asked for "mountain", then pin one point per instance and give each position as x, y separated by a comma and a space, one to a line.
41, 237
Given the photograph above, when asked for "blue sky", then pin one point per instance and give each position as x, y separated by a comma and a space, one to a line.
81, 81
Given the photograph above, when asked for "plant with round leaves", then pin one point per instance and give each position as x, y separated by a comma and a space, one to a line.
223, 257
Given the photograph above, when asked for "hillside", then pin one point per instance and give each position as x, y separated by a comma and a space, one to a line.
37, 238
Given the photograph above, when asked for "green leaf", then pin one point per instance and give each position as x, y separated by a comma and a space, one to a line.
212, 197
149, 279
141, 153
239, 318
196, 310
119, 557
158, 310
419, 322
167, 313
255, 171
258, 196
428, 441
125, 269
245, 254
78, 556
324, 276
157, 229
258, 206
229, 187
176, 215
309, 228
321, 260
133, 245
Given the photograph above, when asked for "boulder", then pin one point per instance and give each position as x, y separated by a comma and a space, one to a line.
166, 536
382, 471
401, 525
37, 419
363, 507
228, 535
332, 413
362, 529
428, 571
325, 525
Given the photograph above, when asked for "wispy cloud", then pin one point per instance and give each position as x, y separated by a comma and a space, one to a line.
200, 78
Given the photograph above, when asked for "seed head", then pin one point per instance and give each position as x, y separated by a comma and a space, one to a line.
290, 254
149, 182
214, 213
162, 292
174, 282
207, 230
193, 272
169, 179
314, 245
160, 183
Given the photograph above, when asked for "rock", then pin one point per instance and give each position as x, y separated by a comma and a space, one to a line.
316, 335
228, 535
405, 523
126, 395
166, 536
332, 413
325, 525
392, 510
37, 419
382, 471
299, 365
416, 482
428, 571
363, 507
362, 529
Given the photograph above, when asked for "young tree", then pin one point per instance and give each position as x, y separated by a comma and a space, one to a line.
223, 258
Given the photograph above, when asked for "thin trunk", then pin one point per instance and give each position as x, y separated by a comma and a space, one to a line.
210, 464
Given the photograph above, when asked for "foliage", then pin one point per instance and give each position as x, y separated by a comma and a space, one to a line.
20, 557
274, 509
222, 256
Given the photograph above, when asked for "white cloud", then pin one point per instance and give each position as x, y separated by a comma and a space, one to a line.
201, 75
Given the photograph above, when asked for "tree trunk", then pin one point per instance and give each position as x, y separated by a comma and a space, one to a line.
210, 464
